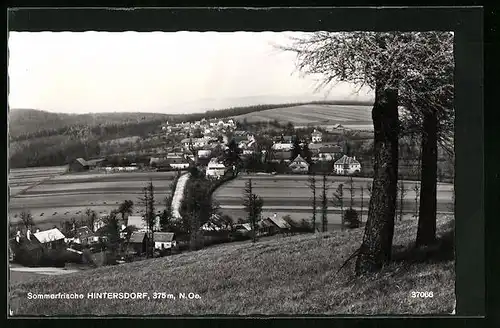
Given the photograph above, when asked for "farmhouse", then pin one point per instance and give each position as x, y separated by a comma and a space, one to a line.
52, 239
280, 223
172, 163
178, 163
164, 240
279, 156
81, 165
78, 165
138, 242
204, 153
329, 153
140, 224
266, 228
299, 165
347, 165
83, 235
215, 169
286, 146
316, 136
137, 222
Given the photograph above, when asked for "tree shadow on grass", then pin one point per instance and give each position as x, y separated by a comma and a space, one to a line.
442, 251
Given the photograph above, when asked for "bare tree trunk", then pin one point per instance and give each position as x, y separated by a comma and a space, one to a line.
375, 250
426, 233
324, 206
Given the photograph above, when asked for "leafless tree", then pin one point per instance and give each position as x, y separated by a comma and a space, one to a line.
338, 200
396, 66
362, 191
402, 192
253, 206
324, 205
27, 219
416, 189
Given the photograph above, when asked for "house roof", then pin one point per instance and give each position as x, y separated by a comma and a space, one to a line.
280, 222
174, 160
137, 237
245, 226
163, 237
265, 223
83, 231
136, 221
330, 149
288, 138
346, 160
299, 159
91, 162
49, 235
82, 161
281, 154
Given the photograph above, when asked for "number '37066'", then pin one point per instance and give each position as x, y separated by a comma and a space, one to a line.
425, 294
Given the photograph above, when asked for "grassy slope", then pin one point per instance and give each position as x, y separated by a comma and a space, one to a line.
283, 276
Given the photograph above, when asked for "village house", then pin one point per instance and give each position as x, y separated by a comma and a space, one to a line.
137, 242
164, 240
347, 165
316, 136
280, 156
329, 153
51, 239
266, 227
176, 163
140, 224
281, 225
137, 222
299, 165
84, 235
204, 153
215, 169
282, 146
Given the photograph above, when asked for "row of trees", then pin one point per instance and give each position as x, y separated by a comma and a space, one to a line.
413, 70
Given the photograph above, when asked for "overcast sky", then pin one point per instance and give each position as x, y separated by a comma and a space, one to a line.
156, 72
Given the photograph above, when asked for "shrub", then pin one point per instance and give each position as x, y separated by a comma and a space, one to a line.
351, 218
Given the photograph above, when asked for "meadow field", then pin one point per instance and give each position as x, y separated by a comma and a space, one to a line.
21, 179
67, 196
261, 279
354, 117
290, 195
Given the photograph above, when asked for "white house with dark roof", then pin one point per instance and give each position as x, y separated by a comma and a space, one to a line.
164, 240
347, 165
316, 136
215, 169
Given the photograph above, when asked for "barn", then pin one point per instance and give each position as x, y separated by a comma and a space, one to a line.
78, 165
138, 242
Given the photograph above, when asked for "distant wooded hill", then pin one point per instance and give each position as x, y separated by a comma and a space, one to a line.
26, 123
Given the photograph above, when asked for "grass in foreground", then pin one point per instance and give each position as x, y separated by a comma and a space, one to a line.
289, 275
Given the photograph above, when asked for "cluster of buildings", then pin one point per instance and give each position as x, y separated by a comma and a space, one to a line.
204, 143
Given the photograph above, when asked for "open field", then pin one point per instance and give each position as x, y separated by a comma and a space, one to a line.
290, 194
67, 196
350, 116
269, 278
21, 179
